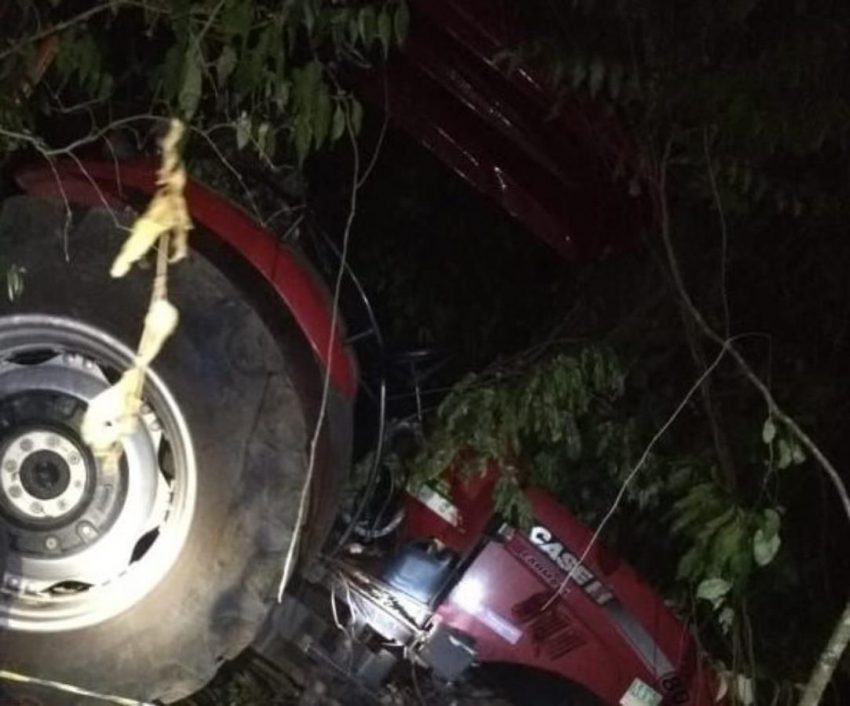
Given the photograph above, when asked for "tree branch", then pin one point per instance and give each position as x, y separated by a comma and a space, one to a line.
61, 26
743, 364
828, 661
841, 636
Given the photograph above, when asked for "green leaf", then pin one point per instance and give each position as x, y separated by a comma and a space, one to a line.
338, 123
307, 80
713, 590
401, 22
356, 116
105, 87
281, 95
85, 58
367, 25
578, 75
766, 540
572, 438
303, 136
266, 141
797, 454
726, 619
690, 564
191, 85
237, 18
321, 114
172, 67
765, 547
225, 64
260, 54
768, 432
786, 455
278, 48
309, 16
706, 530
385, 29
728, 545
744, 690
243, 131
770, 522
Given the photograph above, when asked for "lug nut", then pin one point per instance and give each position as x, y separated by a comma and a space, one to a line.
51, 543
15, 491
10, 465
36, 508
74, 459
26, 445
86, 531
53, 441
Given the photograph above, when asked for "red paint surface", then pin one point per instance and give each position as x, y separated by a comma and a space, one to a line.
105, 184
574, 637
471, 496
552, 171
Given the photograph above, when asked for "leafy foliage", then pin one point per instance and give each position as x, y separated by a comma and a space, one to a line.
265, 72
536, 426
751, 85
565, 423
734, 116
573, 423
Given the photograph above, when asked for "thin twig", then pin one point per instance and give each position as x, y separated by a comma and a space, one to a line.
718, 435
381, 135
289, 563
46, 151
615, 505
61, 26
206, 28
724, 233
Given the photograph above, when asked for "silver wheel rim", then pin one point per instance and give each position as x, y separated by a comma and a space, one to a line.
80, 543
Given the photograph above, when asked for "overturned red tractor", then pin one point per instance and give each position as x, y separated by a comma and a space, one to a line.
134, 584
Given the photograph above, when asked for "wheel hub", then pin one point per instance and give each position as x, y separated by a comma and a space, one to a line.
44, 475
84, 539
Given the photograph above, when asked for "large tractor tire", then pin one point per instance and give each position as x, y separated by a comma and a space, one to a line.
138, 582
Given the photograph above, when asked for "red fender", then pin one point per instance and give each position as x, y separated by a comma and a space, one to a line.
300, 291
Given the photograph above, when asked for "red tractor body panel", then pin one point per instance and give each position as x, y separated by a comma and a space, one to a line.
551, 169
109, 184
604, 630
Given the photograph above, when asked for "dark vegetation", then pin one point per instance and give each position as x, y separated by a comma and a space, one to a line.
739, 118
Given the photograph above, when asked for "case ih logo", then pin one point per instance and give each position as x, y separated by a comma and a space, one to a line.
565, 560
